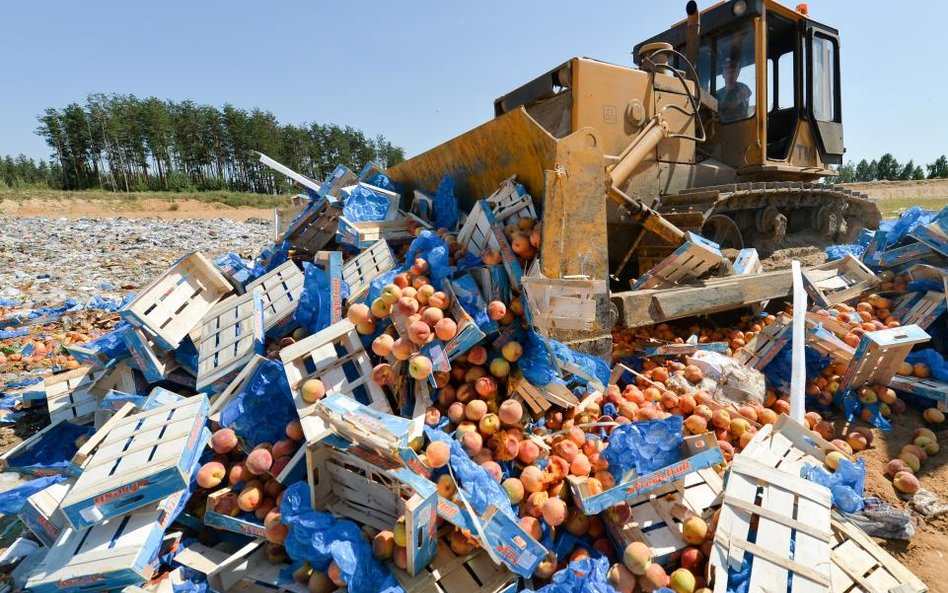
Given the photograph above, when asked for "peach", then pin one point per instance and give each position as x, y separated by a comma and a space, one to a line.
824, 429
284, 448
383, 374
696, 424
653, 578
921, 370
493, 468
832, 459
691, 558
580, 465
276, 553
400, 557
358, 313
842, 446
472, 374
456, 412
496, 310
693, 373
237, 473
383, 545
528, 451
669, 400
477, 355
532, 526
499, 367
391, 293
554, 511
445, 329
279, 464
485, 386
721, 419
294, 430
424, 294
264, 508
682, 581
302, 574
399, 533
438, 454
223, 440
895, 466
439, 300
512, 351
276, 532
532, 479
739, 426
460, 543
911, 460
857, 441
637, 557
250, 497
211, 474
916, 451
259, 461
419, 367
380, 309
489, 424
402, 349
382, 345
472, 442
921, 431
927, 444
319, 582
566, 449
335, 574
694, 530
548, 565
510, 412
313, 390
533, 505
933, 415
621, 578
419, 332
906, 483
475, 410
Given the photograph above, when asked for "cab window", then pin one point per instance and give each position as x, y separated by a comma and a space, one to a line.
726, 69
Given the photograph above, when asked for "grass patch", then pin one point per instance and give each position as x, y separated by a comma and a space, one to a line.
893, 207
133, 200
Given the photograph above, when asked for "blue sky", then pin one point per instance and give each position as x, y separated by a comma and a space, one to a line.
421, 72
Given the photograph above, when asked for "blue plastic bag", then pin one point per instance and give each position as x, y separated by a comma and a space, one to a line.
108, 347
52, 453
364, 205
897, 230
434, 250
937, 364
535, 362
587, 364
13, 499
478, 486
645, 446
320, 538
6, 334
581, 576
846, 484
314, 311
445, 204
260, 413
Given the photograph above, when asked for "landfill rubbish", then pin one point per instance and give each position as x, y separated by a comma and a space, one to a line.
375, 402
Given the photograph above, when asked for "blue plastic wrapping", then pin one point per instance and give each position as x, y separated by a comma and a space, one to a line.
46, 314
434, 250
897, 230
376, 286
478, 486
846, 484
834, 252
192, 582
108, 347
536, 363
6, 334
925, 284
314, 311
99, 303
260, 413
9, 303
581, 576
777, 371
238, 269
320, 538
53, 452
592, 366
445, 204
645, 446
738, 581
274, 255
468, 261
364, 205
186, 355
853, 409
13, 499
937, 364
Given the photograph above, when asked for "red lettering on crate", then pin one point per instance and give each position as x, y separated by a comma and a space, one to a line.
51, 530
447, 509
83, 580
119, 492
195, 431
508, 553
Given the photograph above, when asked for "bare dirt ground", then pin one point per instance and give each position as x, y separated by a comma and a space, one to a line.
146, 208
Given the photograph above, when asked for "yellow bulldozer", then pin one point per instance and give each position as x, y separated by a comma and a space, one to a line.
726, 126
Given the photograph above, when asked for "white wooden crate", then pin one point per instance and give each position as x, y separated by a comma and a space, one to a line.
511, 202
861, 566
232, 334
365, 267
879, 354
336, 356
838, 281
694, 258
787, 511
453, 573
177, 300
69, 396
144, 458
765, 345
398, 230
316, 226
249, 571
924, 311
41, 513
561, 303
280, 293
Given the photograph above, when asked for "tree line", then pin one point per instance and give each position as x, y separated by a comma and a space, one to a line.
887, 167
126, 143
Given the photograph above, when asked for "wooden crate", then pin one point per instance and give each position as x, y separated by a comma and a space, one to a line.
363, 235
360, 485
155, 364
280, 290
764, 346
932, 389
694, 258
41, 513
826, 342
84, 452
537, 400
786, 445
511, 202
838, 281
923, 310
316, 226
567, 303
879, 354
336, 356
932, 236
859, 565
792, 513
656, 519
240, 382
176, 301
365, 267
906, 254
483, 231
249, 571
452, 573
69, 396
231, 335
144, 458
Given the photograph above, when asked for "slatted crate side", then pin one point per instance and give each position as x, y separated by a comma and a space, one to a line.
248, 570
838, 281
879, 355
859, 565
280, 292
41, 513
568, 304
695, 257
904, 255
232, 333
335, 356
825, 342
790, 513
177, 300
69, 396
316, 227
764, 346
511, 202
929, 388
453, 573
365, 267
924, 311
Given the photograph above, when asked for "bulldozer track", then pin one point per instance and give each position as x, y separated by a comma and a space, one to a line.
768, 214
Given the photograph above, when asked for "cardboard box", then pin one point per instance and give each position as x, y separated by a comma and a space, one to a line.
144, 458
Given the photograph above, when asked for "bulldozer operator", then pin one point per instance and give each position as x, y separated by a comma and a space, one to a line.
734, 98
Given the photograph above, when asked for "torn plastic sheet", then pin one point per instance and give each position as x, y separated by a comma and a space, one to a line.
13, 499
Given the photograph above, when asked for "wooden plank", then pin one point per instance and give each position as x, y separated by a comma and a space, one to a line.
360, 270
694, 258
280, 290
98, 436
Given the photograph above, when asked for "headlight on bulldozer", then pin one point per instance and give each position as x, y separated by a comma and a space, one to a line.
739, 8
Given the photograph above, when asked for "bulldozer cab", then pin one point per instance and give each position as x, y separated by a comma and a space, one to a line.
774, 73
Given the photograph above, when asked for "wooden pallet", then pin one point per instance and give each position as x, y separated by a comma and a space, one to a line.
452, 573
694, 258
316, 226
838, 281
929, 388
924, 310
69, 396
176, 301
280, 290
861, 566
791, 512
764, 346
567, 303
249, 571
656, 520
231, 334
365, 267
335, 356
879, 354
143, 458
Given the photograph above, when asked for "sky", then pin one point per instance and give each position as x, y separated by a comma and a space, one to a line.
421, 72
